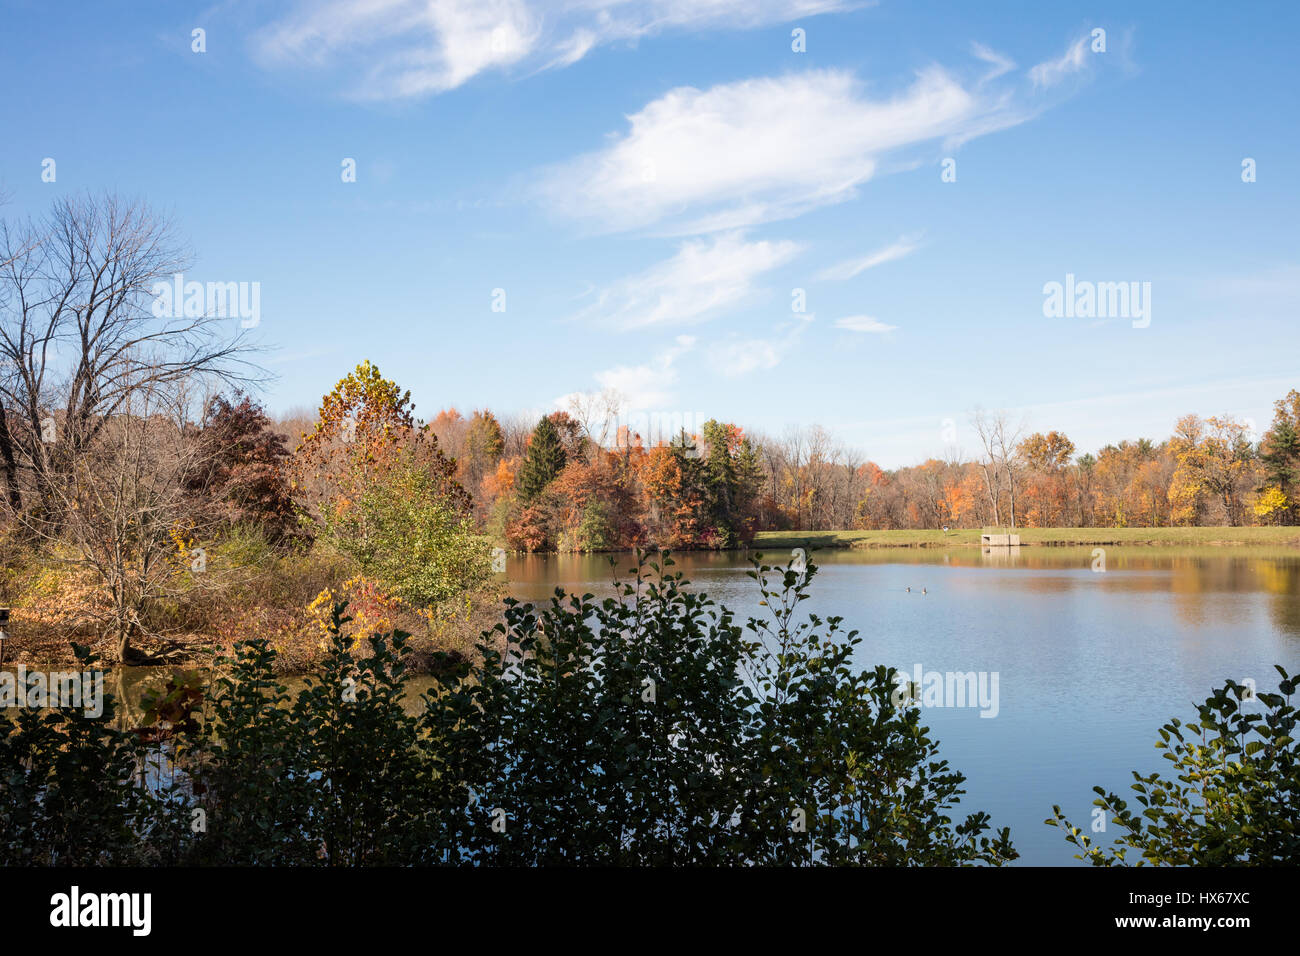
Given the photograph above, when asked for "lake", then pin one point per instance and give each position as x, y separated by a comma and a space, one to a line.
1089, 663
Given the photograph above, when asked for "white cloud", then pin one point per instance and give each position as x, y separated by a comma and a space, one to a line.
741, 356
1051, 72
403, 48
646, 386
703, 278
574, 49
848, 269
863, 323
999, 63
407, 48
761, 149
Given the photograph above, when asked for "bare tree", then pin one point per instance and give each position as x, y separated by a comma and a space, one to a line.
516, 429
598, 413
1000, 442
122, 508
79, 337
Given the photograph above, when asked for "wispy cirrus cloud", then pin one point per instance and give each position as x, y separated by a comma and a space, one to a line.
395, 49
705, 277
863, 323
1051, 72
998, 64
905, 246
757, 150
401, 48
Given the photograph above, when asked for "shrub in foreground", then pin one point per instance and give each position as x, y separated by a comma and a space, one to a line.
1232, 795
649, 728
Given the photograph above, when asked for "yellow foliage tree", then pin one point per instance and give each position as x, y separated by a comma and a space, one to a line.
1271, 504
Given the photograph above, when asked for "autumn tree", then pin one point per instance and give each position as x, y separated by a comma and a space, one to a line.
1215, 460
361, 425
573, 436
594, 505
1046, 458
240, 476
484, 446
406, 532
1082, 477
449, 426
675, 494
385, 494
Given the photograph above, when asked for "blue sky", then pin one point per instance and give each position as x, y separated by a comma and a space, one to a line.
650, 180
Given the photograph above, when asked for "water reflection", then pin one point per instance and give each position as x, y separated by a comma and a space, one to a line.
1201, 579
1091, 662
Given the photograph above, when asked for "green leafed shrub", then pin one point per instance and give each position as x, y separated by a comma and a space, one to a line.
647, 729
1230, 799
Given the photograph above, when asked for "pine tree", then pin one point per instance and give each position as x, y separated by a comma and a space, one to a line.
1280, 454
720, 476
749, 484
545, 460
691, 502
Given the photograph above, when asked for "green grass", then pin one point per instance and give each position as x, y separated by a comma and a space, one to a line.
1285, 537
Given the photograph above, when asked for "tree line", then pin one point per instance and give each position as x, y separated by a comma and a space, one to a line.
148, 497
561, 487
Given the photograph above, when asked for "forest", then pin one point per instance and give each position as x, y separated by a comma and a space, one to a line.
561, 487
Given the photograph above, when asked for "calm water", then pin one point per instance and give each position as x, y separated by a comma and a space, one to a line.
1090, 664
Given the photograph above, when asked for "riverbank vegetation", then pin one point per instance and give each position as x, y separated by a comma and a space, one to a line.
650, 729
152, 509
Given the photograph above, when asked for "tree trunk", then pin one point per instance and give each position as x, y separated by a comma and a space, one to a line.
1011, 491
8, 464
123, 641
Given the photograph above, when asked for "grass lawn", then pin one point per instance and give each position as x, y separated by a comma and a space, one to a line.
1284, 537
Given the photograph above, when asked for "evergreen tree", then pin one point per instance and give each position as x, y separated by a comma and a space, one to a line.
749, 485
545, 460
693, 497
720, 480
1280, 453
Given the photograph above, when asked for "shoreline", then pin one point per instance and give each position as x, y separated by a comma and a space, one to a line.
1282, 537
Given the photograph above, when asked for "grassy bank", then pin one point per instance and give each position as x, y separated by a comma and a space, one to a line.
1279, 537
